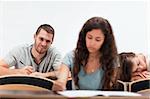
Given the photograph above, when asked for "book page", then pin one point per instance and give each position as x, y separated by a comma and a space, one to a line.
90, 93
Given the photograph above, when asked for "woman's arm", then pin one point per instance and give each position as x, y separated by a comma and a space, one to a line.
60, 83
140, 75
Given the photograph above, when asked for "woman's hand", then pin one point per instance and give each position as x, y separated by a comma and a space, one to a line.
140, 75
146, 74
59, 86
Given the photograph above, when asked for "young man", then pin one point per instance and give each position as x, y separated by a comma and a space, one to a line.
38, 59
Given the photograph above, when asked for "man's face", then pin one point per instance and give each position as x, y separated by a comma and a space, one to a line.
43, 41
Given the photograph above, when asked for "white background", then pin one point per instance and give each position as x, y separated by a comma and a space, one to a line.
20, 19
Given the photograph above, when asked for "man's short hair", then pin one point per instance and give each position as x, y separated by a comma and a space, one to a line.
48, 28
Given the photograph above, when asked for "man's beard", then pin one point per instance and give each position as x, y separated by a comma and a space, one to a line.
40, 51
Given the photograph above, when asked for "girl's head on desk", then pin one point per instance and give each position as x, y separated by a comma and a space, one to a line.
132, 65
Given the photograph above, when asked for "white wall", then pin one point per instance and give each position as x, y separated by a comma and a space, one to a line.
20, 19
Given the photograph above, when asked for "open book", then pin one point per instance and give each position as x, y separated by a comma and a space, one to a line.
90, 93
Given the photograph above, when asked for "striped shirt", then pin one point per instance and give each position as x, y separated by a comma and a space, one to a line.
21, 56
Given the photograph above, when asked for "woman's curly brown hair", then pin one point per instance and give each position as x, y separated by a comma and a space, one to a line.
108, 59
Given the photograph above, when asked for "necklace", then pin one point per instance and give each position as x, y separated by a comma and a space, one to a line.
92, 71
92, 65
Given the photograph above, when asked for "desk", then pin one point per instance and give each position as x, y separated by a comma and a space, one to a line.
20, 94
49, 94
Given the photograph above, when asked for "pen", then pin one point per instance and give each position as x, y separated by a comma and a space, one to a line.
26, 65
22, 63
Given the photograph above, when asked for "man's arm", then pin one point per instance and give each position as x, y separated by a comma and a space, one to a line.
48, 74
4, 69
54, 74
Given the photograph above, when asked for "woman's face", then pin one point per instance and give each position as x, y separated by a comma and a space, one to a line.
94, 40
139, 63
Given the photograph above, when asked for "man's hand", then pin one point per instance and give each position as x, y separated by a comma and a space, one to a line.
25, 70
38, 74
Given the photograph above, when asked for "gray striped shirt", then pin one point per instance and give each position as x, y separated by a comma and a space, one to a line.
21, 56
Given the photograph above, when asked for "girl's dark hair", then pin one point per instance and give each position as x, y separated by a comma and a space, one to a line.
126, 65
108, 50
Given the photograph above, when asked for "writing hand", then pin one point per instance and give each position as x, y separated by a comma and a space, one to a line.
26, 70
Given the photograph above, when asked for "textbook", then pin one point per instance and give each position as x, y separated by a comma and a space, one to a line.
27, 80
135, 86
91, 93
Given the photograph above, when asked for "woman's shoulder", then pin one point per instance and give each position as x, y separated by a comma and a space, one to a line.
70, 54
